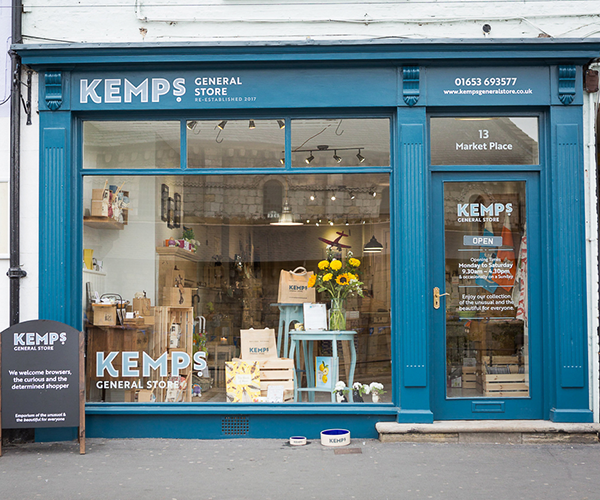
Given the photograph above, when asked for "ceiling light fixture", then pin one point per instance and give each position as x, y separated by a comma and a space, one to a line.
310, 158
286, 218
337, 158
313, 196
251, 125
191, 125
222, 124
333, 198
360, 157
281, 124
373, 246
282, 160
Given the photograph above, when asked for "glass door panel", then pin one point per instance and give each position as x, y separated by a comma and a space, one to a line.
487, 339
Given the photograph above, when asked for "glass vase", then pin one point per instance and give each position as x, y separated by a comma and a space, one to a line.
337, 315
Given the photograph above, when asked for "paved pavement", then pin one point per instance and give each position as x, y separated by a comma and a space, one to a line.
271, 469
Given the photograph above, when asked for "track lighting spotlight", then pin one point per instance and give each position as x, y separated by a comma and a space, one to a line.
337, 158
191, 124
282, 160
352, 195
281, 124
333, 196
222, 124
360, 157
251, 125
313, 196
310, 158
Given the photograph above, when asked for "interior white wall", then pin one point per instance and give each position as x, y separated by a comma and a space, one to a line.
127, 254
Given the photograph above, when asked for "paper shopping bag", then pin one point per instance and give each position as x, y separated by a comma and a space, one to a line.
258, 344
293, 287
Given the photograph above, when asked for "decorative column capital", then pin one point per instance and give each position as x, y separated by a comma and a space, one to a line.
410, 84
566, 84
54, 91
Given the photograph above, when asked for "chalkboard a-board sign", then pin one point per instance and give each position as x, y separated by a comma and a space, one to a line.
41, 370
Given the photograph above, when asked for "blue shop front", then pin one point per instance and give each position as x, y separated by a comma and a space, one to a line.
272, 241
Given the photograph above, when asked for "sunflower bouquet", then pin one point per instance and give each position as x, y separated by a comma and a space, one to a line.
340, 279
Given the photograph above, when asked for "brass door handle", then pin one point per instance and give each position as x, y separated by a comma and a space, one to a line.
436, 297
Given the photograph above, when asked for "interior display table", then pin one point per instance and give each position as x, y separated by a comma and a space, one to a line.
308, 338
287, 314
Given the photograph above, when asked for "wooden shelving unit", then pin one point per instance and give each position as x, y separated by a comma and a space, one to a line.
160, 343
177, 253
96, 222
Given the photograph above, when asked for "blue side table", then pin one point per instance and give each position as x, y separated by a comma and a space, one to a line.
287, 314
308, 338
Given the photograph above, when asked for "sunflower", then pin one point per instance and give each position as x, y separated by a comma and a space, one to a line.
354, 262
312, 280
352, 277
327, 277
343, 279
336, 265
324, 264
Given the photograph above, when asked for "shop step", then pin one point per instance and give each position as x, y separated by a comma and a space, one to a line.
489, 431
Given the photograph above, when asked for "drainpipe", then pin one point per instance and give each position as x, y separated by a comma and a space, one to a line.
15, 273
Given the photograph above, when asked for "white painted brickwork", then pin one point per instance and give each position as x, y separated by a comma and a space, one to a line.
117, 21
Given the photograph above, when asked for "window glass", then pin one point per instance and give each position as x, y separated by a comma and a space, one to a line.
341, 142
186, 266
235, 143
487, 333
484, 141
131, 144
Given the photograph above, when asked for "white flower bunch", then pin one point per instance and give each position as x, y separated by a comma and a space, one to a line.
340, 387
376, 388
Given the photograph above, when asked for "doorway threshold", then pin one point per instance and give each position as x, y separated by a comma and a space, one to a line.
490, 431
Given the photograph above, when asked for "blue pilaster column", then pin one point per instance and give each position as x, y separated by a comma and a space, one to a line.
410, 258
58, 206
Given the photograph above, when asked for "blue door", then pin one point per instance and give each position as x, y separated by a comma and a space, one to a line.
485, 296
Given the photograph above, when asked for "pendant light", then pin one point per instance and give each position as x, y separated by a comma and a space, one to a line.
287, 217
373, 246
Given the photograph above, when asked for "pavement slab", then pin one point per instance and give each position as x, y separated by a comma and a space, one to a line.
171, 469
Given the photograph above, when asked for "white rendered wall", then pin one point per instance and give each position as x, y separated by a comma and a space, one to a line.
5, 16
590, 113
119, 21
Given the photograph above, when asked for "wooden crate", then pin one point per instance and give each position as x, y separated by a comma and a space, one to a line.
276, 371
469, 377
504, 385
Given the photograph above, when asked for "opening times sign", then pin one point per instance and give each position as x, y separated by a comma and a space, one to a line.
40, 375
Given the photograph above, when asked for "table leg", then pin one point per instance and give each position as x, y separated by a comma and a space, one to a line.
280, 332
352, 365
292, 349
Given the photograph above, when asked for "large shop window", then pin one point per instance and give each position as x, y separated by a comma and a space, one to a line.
189, 272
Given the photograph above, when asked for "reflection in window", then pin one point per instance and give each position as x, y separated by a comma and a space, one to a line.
341, 142
235, 143
131, 144
193, 289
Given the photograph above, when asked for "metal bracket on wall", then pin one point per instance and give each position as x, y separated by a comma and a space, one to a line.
16, 273
566, 84
410, 84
